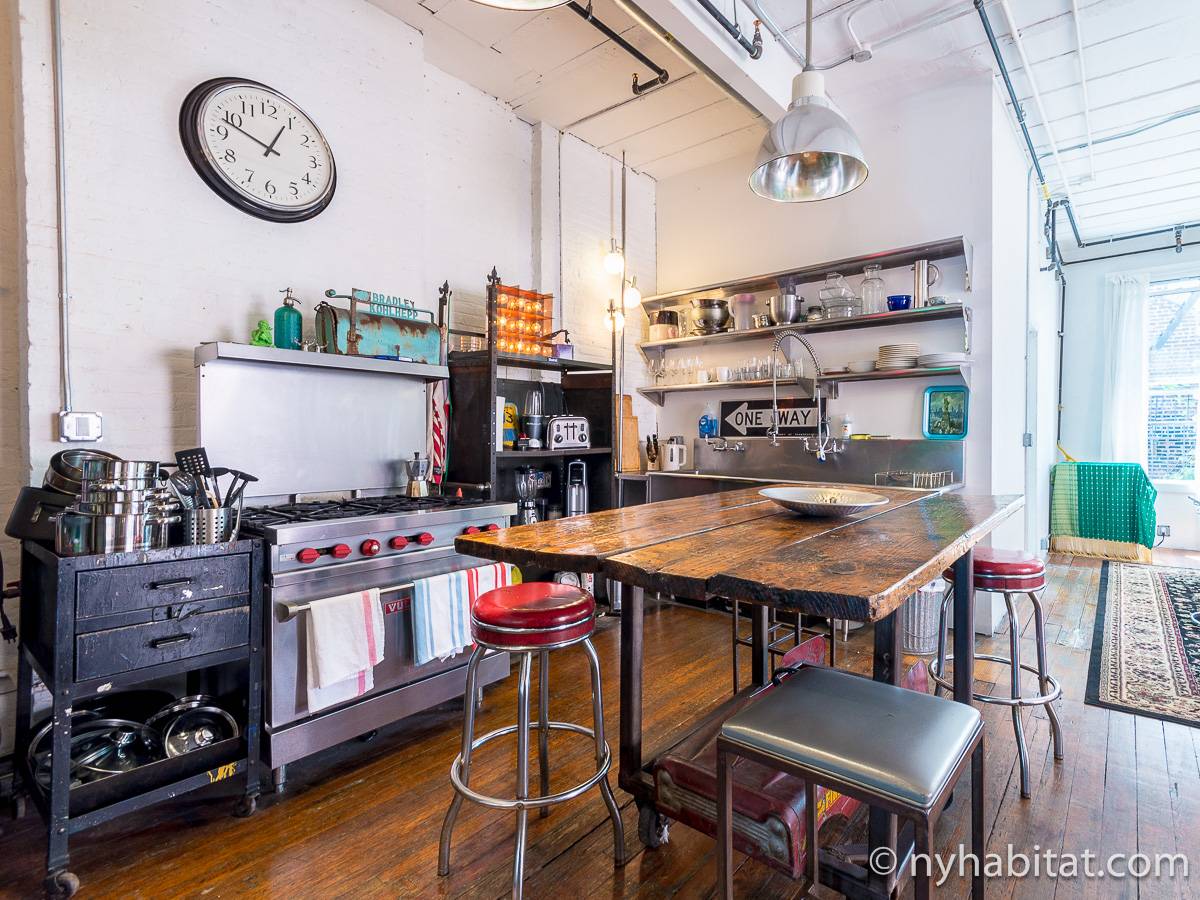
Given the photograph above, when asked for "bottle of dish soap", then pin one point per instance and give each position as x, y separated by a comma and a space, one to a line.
709, 424
289, 324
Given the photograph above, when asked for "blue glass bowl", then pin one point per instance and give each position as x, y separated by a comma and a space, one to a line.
897, 302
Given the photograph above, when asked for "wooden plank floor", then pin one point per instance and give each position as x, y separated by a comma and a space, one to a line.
362, 820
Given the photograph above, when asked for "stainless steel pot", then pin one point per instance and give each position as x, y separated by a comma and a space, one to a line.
710, 314
82, 534
665, 317
784, 309
150, 492
64, 473
119, 508
109, 470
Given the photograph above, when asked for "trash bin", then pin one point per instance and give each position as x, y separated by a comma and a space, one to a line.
919, 619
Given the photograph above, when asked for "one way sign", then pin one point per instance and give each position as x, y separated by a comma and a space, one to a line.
752, 418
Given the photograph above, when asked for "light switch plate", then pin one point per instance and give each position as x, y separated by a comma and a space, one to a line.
80, 426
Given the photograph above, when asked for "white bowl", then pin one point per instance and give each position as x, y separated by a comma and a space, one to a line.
808, 501
863, 365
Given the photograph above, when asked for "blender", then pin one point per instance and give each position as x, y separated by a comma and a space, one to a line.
527, 497
418, 475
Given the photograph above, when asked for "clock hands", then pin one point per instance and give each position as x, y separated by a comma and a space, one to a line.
270, 149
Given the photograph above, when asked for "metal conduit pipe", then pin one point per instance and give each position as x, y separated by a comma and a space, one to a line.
754, 47
661, 74
635, 12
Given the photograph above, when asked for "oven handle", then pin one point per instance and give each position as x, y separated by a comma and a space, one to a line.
291, 610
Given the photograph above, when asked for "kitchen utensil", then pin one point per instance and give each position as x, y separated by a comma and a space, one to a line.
941, 359
872, 290
835, 288
527, 507
710, 315
822, 502
418, 475
195, 463
743, 311
665, 317
925, 276
163, 506
568, 433
577, 488
113, 470
210, 525
897, 302
113, 746
761, 320
185, 488
534, 429
82, 534
535, 402
33, 514
842, 307
195, 727
664, 332
784, 309
864, 365
675, 457
64, 473
237, 487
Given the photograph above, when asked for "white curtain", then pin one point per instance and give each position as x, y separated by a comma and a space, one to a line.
1124, 349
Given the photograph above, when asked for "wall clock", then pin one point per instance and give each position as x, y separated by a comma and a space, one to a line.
257, 149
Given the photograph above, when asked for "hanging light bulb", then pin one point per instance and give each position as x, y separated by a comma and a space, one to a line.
811, 153
632, 295
523, 5
614, 260
614, 318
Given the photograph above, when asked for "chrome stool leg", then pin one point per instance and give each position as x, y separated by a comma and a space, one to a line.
1039, 624
467, 741
522, 773
943, 639
602, 753
1014, 645
544, 726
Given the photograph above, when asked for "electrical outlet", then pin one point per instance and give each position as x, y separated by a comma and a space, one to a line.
1164, 531
80, 426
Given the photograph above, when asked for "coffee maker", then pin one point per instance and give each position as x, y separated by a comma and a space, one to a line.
577, 489
418, 475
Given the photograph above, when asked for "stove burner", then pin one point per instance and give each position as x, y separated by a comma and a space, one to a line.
256, 518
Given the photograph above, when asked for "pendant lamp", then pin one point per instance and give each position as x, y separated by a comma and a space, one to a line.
811, 153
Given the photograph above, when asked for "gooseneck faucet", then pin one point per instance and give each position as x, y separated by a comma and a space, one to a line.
824, 444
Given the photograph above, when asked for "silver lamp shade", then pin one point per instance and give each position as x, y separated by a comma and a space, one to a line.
523, 5
811, 153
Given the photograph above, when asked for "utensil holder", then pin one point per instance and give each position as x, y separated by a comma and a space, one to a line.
211, 526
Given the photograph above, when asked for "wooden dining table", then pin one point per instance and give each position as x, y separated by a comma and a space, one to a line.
741, 547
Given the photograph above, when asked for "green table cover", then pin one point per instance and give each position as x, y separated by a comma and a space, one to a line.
1102, 501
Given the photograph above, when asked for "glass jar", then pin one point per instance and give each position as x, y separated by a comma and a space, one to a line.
874, 291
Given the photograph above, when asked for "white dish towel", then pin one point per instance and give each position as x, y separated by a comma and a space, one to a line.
345, 643
442, 609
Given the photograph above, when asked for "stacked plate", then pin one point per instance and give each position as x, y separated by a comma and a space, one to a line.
934, 360
897, 356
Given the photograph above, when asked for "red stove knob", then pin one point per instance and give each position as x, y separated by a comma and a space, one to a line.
492, 526
471, 529
307, 555
399, 542
369, 547
424, 538
340, 551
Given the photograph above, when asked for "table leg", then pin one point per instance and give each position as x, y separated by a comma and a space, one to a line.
887, 668
964, 627
760, 664
630, 770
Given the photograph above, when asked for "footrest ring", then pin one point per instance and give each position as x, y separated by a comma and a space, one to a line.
1035, 700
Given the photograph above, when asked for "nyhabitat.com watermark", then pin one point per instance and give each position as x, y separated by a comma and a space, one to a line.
1035, 862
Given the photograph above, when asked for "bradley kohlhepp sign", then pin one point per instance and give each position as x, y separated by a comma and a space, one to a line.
752, 418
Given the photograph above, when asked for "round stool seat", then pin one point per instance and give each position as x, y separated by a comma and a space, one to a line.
534, 614
1005, 570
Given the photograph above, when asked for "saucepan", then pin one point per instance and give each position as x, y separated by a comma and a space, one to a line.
116, 470
84, 534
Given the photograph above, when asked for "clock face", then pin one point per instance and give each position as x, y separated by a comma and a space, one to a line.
257, 149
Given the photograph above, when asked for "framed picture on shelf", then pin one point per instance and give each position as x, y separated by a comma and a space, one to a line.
945, 414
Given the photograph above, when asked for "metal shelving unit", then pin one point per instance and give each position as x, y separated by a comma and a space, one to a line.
249, 352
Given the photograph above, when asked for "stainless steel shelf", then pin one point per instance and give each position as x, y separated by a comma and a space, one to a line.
657, 395
206, 353
877, 320
890, 259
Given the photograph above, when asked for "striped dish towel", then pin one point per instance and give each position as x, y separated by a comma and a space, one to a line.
442, 605
345, 640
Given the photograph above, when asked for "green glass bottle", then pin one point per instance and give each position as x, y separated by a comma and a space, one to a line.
289, 323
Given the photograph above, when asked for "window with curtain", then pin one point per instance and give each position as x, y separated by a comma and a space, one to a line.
1172, 324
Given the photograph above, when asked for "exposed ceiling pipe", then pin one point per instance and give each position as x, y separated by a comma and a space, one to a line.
860, 53
1087, 117
1015, 34
612, 107
661, 74
635, 12
754, 47
777, 32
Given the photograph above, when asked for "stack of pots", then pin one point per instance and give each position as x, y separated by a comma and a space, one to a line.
121, 505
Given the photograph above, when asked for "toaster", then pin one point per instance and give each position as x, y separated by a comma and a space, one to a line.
568, 433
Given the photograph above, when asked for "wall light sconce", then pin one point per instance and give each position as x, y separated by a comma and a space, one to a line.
614, 260
614, 318
632, 295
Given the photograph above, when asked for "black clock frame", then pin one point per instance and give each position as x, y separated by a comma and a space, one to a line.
198, 156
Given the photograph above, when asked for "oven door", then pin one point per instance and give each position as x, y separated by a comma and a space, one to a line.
287, 669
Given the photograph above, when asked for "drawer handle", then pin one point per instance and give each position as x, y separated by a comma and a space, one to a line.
168, 641
162, 585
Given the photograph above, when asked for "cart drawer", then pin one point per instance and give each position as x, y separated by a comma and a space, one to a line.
120, 650
102, 592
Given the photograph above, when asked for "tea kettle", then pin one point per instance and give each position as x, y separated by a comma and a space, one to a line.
418, 475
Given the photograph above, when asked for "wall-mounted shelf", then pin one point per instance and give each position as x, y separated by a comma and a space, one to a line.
775, 281
481, 358
551, 453
877, 320
828, 382
228, 350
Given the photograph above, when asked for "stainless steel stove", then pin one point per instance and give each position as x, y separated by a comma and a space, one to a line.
324, 548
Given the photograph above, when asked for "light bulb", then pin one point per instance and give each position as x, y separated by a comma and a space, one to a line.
615, 320
614, 260
632, 295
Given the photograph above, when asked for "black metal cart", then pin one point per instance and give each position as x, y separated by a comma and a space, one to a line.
92, 625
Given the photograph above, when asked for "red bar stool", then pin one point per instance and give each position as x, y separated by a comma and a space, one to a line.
1009, 572
527, 619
